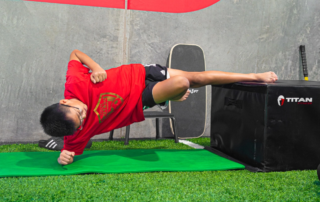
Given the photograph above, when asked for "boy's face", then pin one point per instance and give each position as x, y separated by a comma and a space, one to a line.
78, 110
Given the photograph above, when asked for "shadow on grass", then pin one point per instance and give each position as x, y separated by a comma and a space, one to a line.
318, 185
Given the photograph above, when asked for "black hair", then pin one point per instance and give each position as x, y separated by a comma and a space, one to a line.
55, 122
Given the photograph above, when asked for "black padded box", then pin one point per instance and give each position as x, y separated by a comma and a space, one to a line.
273, 127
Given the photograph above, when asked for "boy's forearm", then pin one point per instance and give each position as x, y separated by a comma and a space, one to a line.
85, 59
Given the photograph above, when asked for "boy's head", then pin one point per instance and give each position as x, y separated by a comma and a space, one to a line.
55, 122
63, 118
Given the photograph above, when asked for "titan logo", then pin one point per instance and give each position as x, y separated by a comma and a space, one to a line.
298, 100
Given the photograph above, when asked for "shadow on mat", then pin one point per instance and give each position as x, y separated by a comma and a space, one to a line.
49, 159
41, 160
140, 155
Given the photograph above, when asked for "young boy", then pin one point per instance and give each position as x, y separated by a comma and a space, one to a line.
104, 100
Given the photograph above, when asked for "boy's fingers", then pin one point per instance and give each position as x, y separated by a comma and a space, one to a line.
69, 153
96, 78
92, 79
64, 158
64, 162
102, 77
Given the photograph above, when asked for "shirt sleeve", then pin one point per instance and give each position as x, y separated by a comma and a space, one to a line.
76, 71
75, 67
75, 144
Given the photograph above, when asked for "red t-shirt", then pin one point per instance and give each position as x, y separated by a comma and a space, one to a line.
114, 103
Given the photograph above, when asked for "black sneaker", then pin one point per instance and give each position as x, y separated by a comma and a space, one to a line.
56, 143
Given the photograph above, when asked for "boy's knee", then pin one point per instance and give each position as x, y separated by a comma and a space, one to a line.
182, 82
197, 80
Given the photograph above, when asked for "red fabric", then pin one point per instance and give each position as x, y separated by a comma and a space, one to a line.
113, 103
169, 6
98, 3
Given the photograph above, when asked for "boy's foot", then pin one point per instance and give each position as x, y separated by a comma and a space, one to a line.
184, 97
267, 77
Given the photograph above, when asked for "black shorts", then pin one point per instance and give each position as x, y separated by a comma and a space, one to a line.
154, 74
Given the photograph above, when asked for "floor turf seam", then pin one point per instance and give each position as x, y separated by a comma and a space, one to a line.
191, 144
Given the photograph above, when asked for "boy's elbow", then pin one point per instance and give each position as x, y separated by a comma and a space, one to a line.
73, 55
74, 51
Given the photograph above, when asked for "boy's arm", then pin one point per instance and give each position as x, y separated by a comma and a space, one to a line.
66, 157
98, 74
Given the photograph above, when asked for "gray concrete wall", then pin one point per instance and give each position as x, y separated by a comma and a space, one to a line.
236, 35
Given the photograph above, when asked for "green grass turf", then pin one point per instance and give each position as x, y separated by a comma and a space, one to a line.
201, 141
240, 185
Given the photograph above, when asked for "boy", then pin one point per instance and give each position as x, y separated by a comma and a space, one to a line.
104, 100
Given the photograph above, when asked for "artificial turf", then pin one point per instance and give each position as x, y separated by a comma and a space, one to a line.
240, 185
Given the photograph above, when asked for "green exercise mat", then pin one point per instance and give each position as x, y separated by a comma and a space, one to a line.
112, 161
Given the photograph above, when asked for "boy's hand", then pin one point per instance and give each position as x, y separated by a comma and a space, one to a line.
98, 75
66, 157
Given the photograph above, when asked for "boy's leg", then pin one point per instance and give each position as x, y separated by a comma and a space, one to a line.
199, 79
173, 88
176, 87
